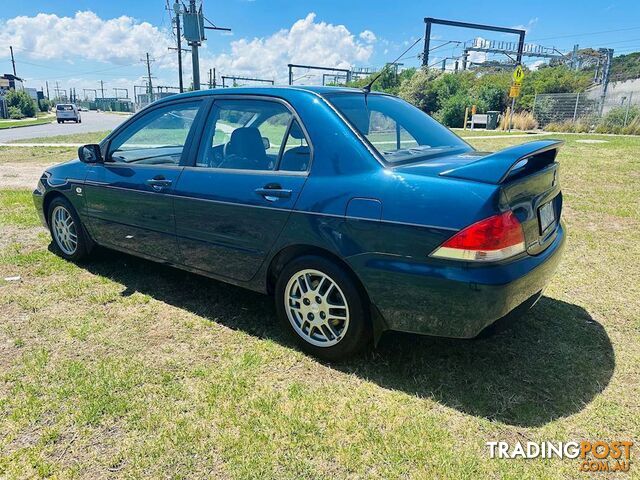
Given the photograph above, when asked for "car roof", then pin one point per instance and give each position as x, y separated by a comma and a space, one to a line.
282, 91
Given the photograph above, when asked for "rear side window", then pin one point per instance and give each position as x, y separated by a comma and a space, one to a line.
252, 135
399, 132
157, 138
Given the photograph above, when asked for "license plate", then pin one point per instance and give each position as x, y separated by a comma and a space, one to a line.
547, 216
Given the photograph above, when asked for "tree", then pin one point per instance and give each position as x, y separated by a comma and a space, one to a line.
419, 90
44, 104
22, 101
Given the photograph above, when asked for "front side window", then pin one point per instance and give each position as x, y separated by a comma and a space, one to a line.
250, 135
400, 132
157, 138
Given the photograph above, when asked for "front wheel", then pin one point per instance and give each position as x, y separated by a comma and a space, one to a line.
323, 308
67, 232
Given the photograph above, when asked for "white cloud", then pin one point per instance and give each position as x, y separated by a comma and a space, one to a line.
528, 27
86, 36
306, 42
368, 36
60, 42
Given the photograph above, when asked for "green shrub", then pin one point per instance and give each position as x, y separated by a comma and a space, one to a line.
633, 128
22, 101
15, 113
420, 91
44, 105
452, 112
582, 125
615, 119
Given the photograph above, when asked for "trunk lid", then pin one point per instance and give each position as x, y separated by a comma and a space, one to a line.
527, 180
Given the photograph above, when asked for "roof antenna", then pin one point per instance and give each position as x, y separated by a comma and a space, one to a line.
367, 88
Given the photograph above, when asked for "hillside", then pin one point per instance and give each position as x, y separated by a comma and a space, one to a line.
625, 67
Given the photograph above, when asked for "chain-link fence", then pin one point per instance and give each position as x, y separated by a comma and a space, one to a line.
586, 107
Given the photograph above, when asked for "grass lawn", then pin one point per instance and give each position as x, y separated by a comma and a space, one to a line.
121, 368
37, 155
26, 122
80, 138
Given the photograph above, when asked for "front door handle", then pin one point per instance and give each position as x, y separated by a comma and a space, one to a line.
272, 192
158, 183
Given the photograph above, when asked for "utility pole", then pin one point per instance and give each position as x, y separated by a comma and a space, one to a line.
47, 84
195, 61
102, 88
194, 34
13, 62
150, 86
214, 78
210, 78
179, 49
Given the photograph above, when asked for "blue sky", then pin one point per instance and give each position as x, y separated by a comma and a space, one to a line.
80, 49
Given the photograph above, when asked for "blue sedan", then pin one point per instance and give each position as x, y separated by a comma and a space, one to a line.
358, 212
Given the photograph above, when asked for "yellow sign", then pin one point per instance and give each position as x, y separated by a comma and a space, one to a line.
514, 91
518, 75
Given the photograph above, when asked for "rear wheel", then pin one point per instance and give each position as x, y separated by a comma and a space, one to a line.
322, 308
67, 232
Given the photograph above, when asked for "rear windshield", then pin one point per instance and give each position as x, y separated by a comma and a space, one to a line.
400, 132
64, 107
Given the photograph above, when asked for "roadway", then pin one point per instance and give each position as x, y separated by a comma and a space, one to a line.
91, 122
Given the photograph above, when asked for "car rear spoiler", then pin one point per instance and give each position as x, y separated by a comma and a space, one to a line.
509, 163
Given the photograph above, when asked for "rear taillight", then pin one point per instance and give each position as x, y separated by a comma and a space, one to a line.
491, 239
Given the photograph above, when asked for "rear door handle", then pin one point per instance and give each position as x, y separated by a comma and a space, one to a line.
159, 183
273, 192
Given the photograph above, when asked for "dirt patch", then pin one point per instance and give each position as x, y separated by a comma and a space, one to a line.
20, 175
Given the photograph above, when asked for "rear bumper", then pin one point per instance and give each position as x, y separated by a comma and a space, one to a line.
452, 299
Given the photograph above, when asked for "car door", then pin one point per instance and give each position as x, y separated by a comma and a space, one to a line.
128, 197
234, 201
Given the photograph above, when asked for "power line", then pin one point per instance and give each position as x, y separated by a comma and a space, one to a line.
571, 35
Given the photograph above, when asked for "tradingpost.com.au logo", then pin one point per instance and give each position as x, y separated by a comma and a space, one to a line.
592, 456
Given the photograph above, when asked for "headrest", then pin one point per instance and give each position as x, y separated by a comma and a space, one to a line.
296, 131
246, 142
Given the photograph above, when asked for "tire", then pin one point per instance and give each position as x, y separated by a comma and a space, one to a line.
70, 240
331, 321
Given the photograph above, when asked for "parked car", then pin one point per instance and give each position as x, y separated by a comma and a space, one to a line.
358, 212
68, 111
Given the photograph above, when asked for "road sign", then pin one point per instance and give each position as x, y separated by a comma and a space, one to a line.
518, 75
514, 91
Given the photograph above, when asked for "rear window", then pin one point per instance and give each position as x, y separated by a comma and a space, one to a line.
400, 132
64, 107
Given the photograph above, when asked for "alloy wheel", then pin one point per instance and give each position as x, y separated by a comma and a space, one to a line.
64, 230
316, 307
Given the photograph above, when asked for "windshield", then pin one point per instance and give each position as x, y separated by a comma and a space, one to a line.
400, 132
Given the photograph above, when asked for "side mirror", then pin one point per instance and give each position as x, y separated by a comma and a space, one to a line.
90, 153
266, 143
